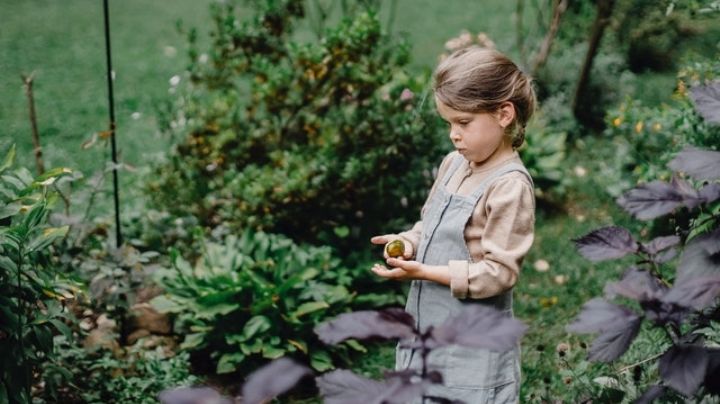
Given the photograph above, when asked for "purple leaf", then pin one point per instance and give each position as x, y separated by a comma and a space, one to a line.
651, 200
637, 285
683, 367
389, 323
479, 326
606, 243
345, 387
701, 257
192, 395
598, 315
655, 391
611, 344
697, 163
710, 193
697, 293
271, 380
707, 101
661, 243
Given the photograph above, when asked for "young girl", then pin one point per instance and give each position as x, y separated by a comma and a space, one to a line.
477, 223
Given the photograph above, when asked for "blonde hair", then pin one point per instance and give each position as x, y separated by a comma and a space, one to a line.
476, 79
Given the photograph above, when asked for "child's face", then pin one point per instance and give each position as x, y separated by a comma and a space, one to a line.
477, 135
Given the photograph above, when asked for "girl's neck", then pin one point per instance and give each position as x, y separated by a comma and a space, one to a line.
503, 153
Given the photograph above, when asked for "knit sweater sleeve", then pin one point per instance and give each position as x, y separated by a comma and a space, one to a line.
508, 212
413, 235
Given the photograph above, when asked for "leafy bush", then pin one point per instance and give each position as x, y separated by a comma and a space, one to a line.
31, 290
256, 297
476, 326
679, 308
315, 140
648, 138
138, 375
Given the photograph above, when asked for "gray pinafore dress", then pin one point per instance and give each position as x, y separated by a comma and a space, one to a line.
472, 375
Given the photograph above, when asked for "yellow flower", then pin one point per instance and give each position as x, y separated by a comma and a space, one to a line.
617, 121
639, 127
657, 127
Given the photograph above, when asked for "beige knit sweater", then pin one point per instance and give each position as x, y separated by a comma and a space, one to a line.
499, 233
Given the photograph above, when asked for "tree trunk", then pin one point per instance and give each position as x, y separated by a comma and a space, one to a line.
604, 11
559, 7
28, 83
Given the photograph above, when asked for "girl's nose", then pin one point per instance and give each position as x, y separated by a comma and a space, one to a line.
454, 135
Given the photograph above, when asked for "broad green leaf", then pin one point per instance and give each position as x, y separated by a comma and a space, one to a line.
272, 352
356, 345
309, 307
321, 361
36, 216
228, 362
62, 327
342, 231
11, 209
163, 304
193, 341
255, 325
7, 264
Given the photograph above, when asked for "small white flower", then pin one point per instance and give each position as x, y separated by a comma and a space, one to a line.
560, 279
541, 266
580, 171
203, 58
135, 115
170, 51
404, 202
174, 80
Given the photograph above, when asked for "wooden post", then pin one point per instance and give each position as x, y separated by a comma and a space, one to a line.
28, 84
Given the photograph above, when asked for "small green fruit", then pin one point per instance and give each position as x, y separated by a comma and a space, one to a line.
395, 248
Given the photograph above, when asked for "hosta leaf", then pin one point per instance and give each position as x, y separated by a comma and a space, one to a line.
389, 323
697, 163
636, 284
256, 325
309, 307
697, 293
193, 341
612, 344
345, 387
701, 257
683, 367
229, 362
164, 304
606, 243
661, 243
707, 101
598, 315
479, 326
271, 380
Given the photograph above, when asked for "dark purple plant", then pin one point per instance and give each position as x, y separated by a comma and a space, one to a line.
681, 307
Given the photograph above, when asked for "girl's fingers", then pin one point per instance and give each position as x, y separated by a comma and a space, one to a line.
379, 240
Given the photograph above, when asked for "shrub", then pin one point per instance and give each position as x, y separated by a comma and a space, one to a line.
256, 297
327, 141
32, 291
678, 308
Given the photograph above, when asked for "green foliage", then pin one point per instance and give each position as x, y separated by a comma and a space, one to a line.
253, 298
31, 290
647, 138
101, 376
326, 141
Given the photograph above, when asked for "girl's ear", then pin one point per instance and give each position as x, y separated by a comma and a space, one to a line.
506, 114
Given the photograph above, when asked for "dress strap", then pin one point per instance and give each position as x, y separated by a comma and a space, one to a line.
502, 170
458, 159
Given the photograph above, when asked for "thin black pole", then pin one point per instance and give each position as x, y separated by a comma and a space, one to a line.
111, 101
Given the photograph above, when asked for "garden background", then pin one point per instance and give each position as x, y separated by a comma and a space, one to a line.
261, 143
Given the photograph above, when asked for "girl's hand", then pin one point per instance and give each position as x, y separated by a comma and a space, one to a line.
404, 270
409, 251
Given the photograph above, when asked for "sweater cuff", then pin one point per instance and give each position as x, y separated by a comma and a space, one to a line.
458, 279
